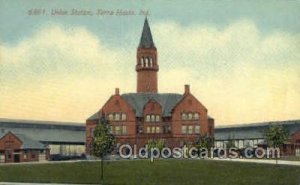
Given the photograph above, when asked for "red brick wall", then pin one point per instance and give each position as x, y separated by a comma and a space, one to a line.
189, 104
10, 143
147, 77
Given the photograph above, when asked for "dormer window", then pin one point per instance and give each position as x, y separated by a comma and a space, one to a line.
110, 117
117, 116
190, 116
184, 116
152, 118
196, 116
148, 118
124, 116
157, 118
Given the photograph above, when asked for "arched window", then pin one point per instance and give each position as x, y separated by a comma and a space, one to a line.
146, 62
142, 62
151, 63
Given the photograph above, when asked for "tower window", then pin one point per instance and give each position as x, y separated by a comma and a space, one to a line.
146, 62
142, 62
151, 63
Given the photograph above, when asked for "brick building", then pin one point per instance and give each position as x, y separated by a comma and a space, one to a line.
136, 118
20, 148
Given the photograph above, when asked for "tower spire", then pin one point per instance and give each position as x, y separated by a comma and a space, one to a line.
146, 38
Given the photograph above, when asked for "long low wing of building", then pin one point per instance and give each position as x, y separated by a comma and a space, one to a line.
63, 138
251, 135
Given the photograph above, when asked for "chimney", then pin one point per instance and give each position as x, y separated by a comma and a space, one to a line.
117, 91
186, 89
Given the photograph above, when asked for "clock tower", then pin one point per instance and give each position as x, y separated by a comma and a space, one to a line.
146, 65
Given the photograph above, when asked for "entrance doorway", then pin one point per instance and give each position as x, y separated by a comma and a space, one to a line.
17, 158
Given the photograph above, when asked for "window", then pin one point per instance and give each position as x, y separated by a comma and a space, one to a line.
152, 118
157, 118
152, 129
110, 117
117, 130
142, 62
157, 129
190, 117
117, 116
148, 118
124, 116
146, 62
197, 129
190, 129
124, 130
196, 116
151, 63
183, 129
148, 129
32, 156
111, 129
184, 116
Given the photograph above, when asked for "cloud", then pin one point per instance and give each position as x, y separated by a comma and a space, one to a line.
66, 73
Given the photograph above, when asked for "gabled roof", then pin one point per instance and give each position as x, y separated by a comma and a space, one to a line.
46, 131
166, 100
252, 130
146, 38
27, 142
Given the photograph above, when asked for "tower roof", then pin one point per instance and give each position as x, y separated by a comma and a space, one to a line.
146, 38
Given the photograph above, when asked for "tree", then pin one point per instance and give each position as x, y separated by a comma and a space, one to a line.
103, 142
275, 136
159, 143
204, 142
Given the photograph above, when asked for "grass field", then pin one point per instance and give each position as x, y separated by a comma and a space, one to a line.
160, 172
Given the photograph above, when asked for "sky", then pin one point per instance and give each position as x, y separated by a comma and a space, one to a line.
241, 58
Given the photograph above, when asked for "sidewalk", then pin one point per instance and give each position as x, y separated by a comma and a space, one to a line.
21, 183
262, 161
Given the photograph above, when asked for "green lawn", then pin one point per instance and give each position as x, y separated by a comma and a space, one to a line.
160, 172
